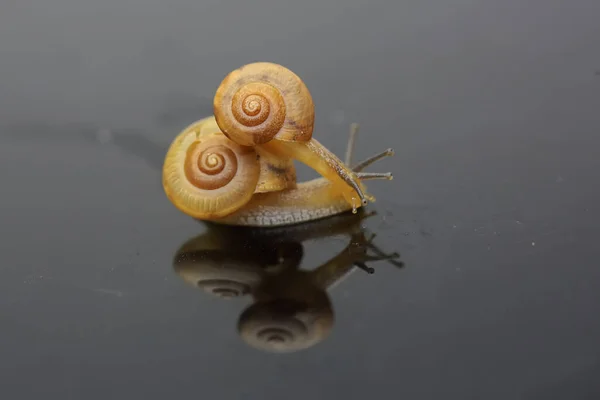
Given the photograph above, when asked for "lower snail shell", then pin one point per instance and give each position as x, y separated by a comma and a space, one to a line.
209, 176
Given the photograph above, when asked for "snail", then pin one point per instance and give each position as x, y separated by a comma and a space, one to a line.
237, 166
290, 309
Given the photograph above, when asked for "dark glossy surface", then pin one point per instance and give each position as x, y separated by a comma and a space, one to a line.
493, 109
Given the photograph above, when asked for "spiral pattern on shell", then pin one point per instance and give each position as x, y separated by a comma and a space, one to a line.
224, 288
210, 167
263, 101
219, 267
276, 327
209, 176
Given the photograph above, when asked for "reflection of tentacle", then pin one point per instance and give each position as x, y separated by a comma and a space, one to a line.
354, 255
381, 256
367, 244
364, 267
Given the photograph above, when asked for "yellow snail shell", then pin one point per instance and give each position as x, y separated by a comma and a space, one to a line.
208, 176
262, 101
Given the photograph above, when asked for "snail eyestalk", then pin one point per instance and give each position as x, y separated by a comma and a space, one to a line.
319, 158
365, 176
365, 163
351, 140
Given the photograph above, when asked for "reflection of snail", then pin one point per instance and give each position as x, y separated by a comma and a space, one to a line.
291, 310
237, 168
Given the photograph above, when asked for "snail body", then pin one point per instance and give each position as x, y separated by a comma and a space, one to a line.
236, 167
311, 200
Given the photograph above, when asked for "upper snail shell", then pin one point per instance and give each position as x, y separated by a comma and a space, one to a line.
262, 101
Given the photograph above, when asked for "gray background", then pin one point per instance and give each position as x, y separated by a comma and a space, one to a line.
492, 107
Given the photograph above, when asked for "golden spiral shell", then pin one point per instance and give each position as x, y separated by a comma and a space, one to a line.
208, 176
263, 101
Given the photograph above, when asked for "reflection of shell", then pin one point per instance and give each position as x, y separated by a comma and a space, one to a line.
284, 325
225, 288
209, 176
222, 273
262, 101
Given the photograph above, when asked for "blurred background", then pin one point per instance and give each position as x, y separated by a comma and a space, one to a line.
492, 108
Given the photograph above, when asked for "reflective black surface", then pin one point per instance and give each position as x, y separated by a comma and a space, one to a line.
492, 108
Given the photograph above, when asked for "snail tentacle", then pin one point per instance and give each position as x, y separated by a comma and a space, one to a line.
365, 163
350, 145
375, 175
